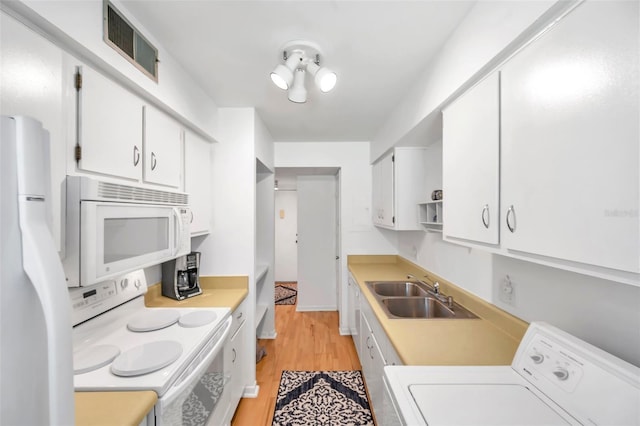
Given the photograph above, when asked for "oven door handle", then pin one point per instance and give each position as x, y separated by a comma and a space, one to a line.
183, 382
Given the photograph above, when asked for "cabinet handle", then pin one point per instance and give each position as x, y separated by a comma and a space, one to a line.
136, 155
191, 211
370, 353
240, 316
234, 355
511, 212
153, 161
367, 342
485, 209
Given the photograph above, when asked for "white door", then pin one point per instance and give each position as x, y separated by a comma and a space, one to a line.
316, 243
286, 228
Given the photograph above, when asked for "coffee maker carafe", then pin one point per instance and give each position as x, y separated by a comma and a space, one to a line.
181, 278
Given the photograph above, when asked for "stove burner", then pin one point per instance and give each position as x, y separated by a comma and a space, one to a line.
153, 319
146, 358
197, 319
94, 357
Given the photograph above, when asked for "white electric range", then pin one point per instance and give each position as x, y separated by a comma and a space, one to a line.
554, 379
122, 345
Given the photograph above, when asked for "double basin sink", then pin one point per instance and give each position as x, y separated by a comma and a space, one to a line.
411, 299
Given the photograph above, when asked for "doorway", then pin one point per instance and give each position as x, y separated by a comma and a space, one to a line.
308, 235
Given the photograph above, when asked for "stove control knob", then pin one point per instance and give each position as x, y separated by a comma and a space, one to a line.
537, 357
561, 373
124, 283
137, 284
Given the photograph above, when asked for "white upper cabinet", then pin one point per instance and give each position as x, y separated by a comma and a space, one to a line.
110, 127
570, 140
120, 136
471, 167
162, 148
383, 192
197, 181
399, 184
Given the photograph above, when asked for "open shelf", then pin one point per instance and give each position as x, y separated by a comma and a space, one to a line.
261, 310
261, 271
430, 215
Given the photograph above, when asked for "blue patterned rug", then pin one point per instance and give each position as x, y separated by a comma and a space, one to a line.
322, 398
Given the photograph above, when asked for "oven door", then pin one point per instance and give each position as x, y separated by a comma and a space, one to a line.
117, 238
198, 396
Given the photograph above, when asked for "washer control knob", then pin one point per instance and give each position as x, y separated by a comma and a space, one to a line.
561, 373
537, 357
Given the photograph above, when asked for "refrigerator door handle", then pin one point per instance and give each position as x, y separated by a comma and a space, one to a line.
43, 267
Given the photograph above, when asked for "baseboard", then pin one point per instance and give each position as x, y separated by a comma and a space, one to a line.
345, 331
271, 335
251, 391
315, 308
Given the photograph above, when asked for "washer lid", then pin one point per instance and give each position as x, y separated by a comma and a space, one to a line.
197, 318
153, 319
94, 357
483, 405
146, 358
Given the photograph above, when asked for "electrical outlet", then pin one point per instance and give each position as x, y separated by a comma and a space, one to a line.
507, 291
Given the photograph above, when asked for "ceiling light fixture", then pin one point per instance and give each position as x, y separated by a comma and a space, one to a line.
301, 57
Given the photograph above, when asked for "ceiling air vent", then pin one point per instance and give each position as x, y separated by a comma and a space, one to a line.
126, 40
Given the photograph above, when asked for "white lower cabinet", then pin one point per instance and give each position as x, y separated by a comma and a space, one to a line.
354, 313
375, 352
233, 360
373, 363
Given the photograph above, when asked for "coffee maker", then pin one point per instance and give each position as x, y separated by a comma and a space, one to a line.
180, 277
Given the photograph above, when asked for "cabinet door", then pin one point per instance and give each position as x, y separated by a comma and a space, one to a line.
382, 180
110, 127
470, 155
372, 364
197, 181
570, 172
162, 148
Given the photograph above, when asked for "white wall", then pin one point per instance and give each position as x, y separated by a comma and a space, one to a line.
77, 27
359, 236
488, 28
604, 313
286, 249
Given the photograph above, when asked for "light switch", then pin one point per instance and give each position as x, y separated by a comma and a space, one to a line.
281, 214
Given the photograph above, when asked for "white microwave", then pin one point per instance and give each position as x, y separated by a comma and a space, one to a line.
113, 229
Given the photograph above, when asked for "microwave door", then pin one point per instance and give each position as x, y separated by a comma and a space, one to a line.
117, 238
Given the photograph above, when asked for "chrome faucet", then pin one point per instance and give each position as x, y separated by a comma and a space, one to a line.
411, 277
435, 290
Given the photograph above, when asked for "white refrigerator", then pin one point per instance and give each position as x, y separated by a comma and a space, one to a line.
36, 355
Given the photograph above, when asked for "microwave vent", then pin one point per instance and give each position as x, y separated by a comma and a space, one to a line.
117, 192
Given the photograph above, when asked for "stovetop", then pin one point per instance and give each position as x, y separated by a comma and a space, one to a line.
188, 332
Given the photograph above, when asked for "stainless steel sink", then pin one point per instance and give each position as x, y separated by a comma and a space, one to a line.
398, 288
416, 307
411, 299
423, 307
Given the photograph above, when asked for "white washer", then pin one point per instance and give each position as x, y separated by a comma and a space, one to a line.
554, 379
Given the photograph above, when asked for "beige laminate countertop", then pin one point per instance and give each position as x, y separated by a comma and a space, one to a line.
129, 408
490, 340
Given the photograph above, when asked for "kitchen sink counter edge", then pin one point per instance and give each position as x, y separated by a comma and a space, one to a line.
129, 408
491, 339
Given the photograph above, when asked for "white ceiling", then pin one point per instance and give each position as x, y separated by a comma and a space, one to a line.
377, 48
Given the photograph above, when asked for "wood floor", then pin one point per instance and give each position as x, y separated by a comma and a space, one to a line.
306, 341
